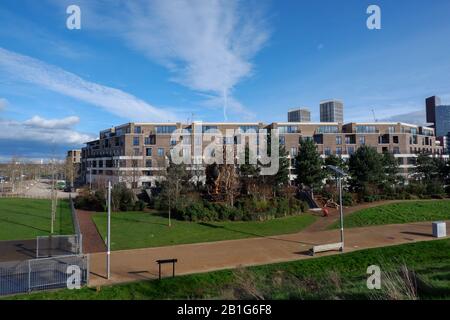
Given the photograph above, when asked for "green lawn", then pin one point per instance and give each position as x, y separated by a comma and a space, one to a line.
22, 219
131, 230
332, 277
397, 213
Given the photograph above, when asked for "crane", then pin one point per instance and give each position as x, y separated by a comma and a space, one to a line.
374, 117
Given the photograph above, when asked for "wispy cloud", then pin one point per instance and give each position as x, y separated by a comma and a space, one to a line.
208, 46
3, 104
115, 101
415, 117
64, 123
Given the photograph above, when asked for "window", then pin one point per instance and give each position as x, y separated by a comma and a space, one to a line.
395, 139
209, 128
327, 129
282, 140
244, 129
396, 150
318, 139
338, 150
150, 140
391, 130
293, 152
135, 141
148, 152
173, 142
350, 139
136, 152
350, 150
148, 163
362, 140
165, 129
338, 140
137, 130
327, 151
384, 139
228, 140
366, 129
287, 129
161, 152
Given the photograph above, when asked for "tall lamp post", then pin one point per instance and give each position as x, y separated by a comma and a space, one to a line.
108, 239
339, 173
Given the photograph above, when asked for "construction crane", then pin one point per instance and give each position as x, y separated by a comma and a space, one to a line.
374, 117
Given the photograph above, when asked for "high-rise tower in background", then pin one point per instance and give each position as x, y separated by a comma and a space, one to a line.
431, 104
332, 111
299, 115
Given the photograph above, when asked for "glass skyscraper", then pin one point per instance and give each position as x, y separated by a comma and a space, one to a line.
442, 124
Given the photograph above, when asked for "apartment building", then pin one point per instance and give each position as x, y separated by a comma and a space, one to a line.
332, 111
137, 153
74, 156
299, 115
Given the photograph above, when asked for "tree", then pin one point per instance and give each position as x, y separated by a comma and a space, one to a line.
176, 181
222, 182
366, 170
391, 170
249, 173
281, 178
433, 173
309, 165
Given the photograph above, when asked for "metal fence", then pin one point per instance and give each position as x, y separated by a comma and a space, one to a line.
41, 274
76, 223
58, 245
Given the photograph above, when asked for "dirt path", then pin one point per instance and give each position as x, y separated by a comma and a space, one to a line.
92, 241
139, 264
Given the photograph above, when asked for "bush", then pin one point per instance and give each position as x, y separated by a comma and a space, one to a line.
92, 202
246, 209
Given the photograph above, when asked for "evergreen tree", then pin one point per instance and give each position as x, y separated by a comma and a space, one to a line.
366, 170
309, 165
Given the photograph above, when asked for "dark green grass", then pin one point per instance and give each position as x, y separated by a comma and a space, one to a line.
22, 219
397, 213
130, 230
308, 279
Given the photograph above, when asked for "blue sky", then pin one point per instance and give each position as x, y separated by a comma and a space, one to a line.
210, 60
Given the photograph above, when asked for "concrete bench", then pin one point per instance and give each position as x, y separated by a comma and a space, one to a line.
327, 247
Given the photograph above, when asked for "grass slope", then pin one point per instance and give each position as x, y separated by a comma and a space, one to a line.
338, 276
132, 230
397, 213
22, 219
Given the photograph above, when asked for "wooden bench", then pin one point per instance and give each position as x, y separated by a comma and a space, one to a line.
327, 247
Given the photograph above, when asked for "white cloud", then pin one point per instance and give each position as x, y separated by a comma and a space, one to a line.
3, 104
38, 122
115, 101
207, 45
57, 132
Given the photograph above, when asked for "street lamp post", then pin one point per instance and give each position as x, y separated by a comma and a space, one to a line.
339, 173
108, 239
